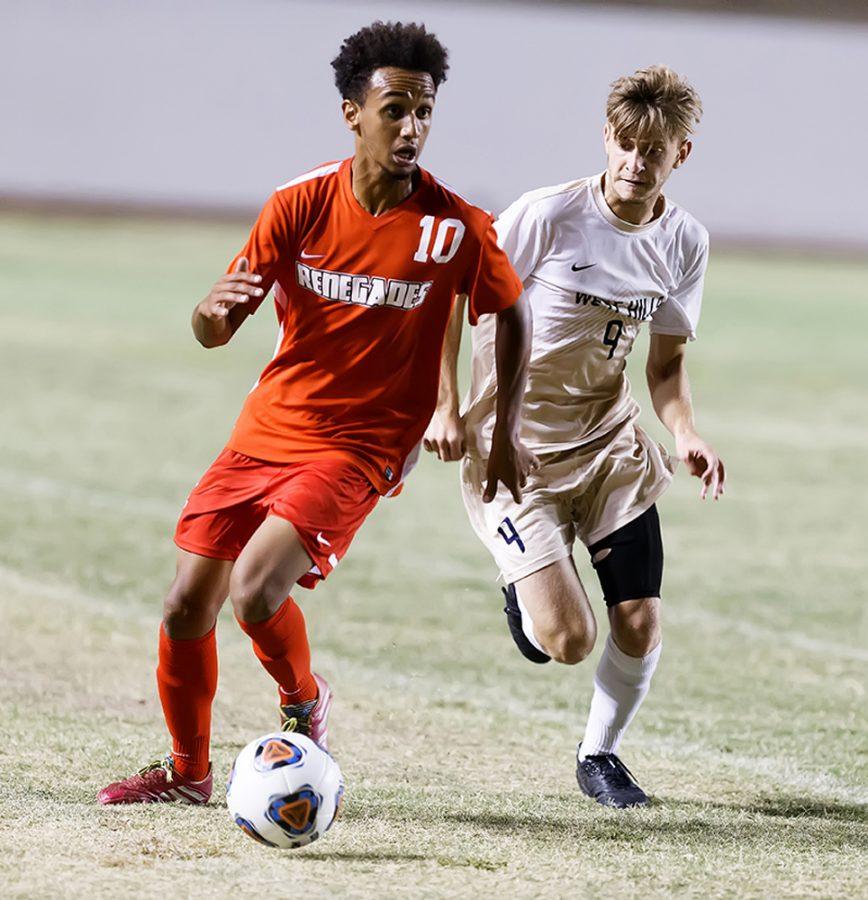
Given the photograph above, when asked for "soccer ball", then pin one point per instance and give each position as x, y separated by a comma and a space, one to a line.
284, 790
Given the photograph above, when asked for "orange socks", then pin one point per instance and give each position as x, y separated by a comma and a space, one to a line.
280, 643
187, 682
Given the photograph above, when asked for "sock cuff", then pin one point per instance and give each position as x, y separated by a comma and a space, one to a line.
307, 690
252, 629
599, 738
632, 665
190, 757
192, 643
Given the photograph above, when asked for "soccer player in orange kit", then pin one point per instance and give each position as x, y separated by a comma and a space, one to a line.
366, 257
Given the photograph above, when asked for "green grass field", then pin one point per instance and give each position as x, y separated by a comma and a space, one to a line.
458, 755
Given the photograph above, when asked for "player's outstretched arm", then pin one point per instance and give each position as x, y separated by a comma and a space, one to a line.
445, 434
510, 461
221, 313
669, 386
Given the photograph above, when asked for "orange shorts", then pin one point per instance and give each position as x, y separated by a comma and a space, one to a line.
325, 498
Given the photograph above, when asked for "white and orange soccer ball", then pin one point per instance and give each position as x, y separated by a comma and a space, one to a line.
284, 790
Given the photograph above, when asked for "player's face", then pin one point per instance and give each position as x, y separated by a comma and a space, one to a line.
637, 168
392, 124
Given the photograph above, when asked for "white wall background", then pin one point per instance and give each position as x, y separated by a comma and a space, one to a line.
214, 102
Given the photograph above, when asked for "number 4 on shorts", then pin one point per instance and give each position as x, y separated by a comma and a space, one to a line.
507, 531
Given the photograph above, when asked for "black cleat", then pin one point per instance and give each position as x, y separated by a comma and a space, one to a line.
513, 618
608, 781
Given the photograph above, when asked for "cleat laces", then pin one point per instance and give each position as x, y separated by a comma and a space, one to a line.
296, 716
617, 774
165, 763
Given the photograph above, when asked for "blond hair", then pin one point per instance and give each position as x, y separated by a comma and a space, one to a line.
653, 101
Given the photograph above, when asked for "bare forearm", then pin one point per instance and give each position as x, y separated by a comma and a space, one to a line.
447, 391
509, 461
512, 353
671, 397
670, 393
219, 315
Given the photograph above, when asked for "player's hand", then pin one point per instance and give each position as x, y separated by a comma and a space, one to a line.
510, 462
445, 436
238, 287
703, 462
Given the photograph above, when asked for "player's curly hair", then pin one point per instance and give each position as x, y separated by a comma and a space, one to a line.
404, 46
653, 100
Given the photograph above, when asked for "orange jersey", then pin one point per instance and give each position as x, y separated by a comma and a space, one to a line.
362, 303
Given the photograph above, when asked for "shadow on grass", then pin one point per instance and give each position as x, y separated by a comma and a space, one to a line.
839, 825
392, 856
786, 820
362, 856
795, 809
804, 807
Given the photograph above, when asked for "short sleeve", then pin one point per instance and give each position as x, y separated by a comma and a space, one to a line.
523, 237
493, 285
267, 246
679, 313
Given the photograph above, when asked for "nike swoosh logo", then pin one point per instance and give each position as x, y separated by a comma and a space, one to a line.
575, 268
319, 537
312, 255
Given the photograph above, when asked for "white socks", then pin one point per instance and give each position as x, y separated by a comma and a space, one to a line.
620, 685
527, 624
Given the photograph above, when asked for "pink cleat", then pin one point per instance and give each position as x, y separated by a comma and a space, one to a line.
158, 783
311, 717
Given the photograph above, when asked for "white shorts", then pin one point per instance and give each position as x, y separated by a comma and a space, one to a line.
587, 492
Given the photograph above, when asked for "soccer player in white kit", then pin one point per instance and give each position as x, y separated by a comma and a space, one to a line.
598, 257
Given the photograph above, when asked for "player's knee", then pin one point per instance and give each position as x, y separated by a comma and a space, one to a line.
572, 649
253, 598
637, 626
570, 646
188, 611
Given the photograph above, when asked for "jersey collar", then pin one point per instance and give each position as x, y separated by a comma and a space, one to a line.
604, 210
410, 201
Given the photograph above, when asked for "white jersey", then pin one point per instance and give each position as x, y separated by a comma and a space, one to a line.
591, 280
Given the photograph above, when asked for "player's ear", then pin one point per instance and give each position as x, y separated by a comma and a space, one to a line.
351, 111
683, 153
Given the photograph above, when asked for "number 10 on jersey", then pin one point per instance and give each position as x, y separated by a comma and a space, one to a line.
449, 231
